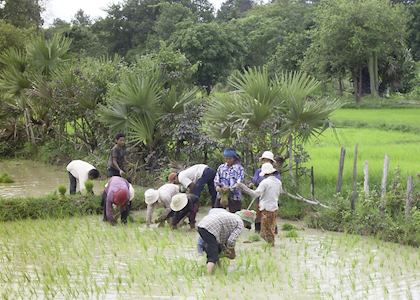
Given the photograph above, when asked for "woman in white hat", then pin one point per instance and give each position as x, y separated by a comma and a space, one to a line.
266, 157
269, 191
163, 196
184, 205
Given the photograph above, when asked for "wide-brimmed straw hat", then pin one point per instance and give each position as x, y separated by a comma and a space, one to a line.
268, 155
131, 191
179, 201
247, 215
266, 169
151, 196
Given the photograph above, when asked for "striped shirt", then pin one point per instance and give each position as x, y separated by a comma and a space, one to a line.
225, 226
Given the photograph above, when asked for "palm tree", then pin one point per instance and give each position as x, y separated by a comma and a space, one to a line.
138, 104
283, 109
25, 75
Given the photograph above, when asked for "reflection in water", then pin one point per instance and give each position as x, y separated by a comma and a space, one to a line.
33, 179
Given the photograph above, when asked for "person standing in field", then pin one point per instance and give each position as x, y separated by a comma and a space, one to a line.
117, 157
227, 175
269, 191
184, 205
219, 231
80, 171
162, 195
118, 191
266, 157
195, 178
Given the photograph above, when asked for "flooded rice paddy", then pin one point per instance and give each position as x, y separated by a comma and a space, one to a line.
86, 258
33, 179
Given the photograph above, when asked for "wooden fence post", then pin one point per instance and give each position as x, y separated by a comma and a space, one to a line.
366, 178
409, 201
312, 183
354, 192
383, 182
340, 170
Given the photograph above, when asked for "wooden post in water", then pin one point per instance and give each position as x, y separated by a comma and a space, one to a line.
383, 182
409, 201
354, 186
312, 183
366, 178
340, 170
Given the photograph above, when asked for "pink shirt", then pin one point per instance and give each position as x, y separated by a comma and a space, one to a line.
115, 184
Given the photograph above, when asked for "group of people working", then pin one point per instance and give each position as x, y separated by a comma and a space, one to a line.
219, 230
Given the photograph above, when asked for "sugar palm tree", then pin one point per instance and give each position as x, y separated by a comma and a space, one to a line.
257, 104
139, 102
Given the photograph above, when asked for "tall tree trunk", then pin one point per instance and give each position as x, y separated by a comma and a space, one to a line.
28, 124
340, 86
290, 144
360, 85
372, 67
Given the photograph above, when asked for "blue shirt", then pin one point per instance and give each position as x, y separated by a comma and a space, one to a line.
228, 176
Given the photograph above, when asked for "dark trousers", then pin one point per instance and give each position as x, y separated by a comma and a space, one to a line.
211, 247
206, 178
233, 205
73, 184
113, 172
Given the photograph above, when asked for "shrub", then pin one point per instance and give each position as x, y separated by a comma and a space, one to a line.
52, 206
292, 234
288, 227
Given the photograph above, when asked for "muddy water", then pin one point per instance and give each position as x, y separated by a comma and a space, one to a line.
33, 179
86, 258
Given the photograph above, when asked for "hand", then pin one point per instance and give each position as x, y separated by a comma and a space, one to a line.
251, 185
121, 173
191, 187
225, 189
230, 252
218, 189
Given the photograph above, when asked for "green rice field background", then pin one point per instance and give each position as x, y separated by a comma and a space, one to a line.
402, 147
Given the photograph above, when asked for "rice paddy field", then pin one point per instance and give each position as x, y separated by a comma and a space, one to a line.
84, 258
374, 140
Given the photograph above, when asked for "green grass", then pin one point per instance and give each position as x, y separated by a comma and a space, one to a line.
404, 119
83, 257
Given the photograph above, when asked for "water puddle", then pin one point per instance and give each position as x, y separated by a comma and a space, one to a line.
34, 179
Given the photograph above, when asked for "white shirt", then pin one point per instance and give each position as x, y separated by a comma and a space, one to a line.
268, 190
80, 169
166, 192
192, 174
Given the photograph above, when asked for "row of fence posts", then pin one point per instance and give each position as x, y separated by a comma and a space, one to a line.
354, 195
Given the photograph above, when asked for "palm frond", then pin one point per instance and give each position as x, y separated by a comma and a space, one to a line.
141, 130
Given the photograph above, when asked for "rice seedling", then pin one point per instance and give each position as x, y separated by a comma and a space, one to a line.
5, 178
85, 258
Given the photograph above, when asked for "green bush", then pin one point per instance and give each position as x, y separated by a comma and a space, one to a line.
288, 227
389, 224
52, 206
292, 234
291, 209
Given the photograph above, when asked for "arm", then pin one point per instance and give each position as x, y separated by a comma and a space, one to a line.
234, 235
149, 214
254, 194
82, 180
